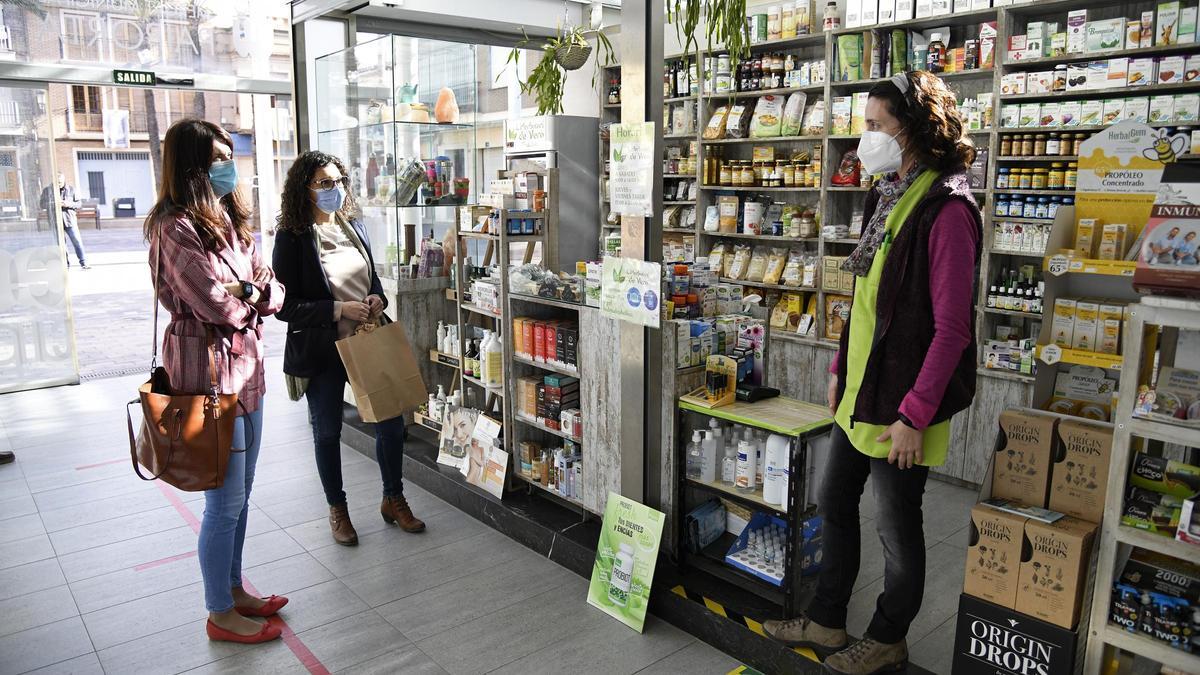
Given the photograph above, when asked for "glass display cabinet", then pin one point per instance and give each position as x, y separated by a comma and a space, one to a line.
400, 114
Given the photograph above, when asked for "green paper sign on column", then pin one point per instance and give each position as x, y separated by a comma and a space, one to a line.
625, 558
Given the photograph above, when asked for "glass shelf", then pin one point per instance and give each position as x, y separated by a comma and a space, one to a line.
377, 110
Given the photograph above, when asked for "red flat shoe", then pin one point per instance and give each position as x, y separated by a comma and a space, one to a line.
272, 606
269, 632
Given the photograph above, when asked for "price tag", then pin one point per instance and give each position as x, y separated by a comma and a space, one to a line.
1057, 265
1051, 354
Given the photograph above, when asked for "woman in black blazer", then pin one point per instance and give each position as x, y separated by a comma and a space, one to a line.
322, 256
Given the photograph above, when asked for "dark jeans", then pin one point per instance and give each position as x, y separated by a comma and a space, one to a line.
324, 395
77, 243
898, 496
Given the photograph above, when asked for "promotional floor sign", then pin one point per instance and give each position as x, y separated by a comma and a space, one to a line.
625, 559
631, 158
457, 427
486, 462
1119, 172
629, 290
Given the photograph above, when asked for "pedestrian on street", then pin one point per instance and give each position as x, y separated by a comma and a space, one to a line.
69, 205
209, 275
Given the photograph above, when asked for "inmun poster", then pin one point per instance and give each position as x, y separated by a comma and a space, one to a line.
625, 559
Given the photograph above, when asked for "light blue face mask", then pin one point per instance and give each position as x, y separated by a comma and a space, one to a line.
223, 176
331, 200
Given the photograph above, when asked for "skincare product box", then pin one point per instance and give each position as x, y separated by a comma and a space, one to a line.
1039, 82
1097, 75
1140, 72
1092, 112
1062, 327
1187, 107
980, 4
1010, 115
853, 10
1162, 108
1084, 336
1069, 112
1104, 35
1030, 114
1054, 572
1021, 462
1081, 469
1118, 72
961, 6
1187, 25
994, 555
1113, 107
1137, 109
1012, 83
1035, 40
1058, 44
1076, 34
1147, 37
1077, 76
1167, 25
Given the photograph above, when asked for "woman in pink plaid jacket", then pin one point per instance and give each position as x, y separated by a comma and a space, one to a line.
212, 280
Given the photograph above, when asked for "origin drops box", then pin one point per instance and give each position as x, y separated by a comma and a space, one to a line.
1021, 465
994, 555
1080, 469
994, 640
1054, 569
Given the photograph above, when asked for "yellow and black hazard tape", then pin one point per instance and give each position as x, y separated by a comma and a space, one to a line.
755, 626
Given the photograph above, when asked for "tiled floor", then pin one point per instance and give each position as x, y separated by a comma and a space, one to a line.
98, 570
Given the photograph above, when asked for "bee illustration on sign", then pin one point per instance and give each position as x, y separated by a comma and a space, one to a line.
1165, 148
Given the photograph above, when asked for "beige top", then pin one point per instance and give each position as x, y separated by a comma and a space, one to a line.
345, 267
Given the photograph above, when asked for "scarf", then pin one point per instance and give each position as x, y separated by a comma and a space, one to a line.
890, 187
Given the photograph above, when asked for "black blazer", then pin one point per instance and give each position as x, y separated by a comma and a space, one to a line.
308, 305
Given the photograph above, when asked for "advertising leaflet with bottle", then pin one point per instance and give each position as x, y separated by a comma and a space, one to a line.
625, 559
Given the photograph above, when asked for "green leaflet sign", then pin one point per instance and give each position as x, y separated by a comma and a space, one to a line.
630, 290
625, 559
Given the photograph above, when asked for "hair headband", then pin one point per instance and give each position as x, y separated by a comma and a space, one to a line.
901, 82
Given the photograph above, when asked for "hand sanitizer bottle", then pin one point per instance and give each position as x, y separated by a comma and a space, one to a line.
694, 456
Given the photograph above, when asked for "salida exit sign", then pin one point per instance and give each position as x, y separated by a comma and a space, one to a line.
134, 77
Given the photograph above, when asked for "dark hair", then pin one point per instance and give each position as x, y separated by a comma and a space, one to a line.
930, 120
295, 209
184, 187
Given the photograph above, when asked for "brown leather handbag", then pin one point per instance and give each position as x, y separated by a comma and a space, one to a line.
185, 439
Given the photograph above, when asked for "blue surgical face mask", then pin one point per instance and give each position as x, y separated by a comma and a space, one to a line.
330, 200
223, 176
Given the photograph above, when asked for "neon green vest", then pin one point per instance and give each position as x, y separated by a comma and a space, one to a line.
862, 333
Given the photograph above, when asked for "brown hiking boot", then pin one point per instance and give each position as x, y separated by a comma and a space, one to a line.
340, 525
395, 511
869, 657
804, 632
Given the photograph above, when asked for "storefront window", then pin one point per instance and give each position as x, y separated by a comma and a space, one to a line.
247, 38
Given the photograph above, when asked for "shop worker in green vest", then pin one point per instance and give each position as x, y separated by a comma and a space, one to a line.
905, 366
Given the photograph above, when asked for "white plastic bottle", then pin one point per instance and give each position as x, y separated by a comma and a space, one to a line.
708, 458
774, 472
746, 467
621, 577
433, 409
441, 401
694, 456
729, 465
494, 374
441, 336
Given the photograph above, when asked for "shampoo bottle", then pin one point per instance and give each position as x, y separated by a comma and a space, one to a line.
494, 375
746, 469
708, 458
441, 335
694, 458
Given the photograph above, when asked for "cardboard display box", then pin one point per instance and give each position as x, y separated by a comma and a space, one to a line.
994, 555
994, 640
1080, 469
1053, 569
1021, 465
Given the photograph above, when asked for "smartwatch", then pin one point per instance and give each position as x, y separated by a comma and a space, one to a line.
247, 290
907, 422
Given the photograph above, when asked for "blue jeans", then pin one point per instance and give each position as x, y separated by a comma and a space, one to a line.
325, 395
77, 243
223, 530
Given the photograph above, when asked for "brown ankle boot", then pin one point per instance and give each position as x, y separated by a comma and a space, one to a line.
395, 510
340, 525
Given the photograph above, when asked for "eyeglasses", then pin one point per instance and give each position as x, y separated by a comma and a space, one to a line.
330, 183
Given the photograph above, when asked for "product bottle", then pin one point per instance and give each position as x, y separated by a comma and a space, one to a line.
433, 409
708, 458
469, 359
621, 577
746, 469
694, 456
729, 465
776, 467
936, 59
441, 335
494, 375
441, 403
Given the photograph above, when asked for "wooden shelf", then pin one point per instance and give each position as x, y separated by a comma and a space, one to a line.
1157, 543
561, 370
847, 188
554, 493
1025, 254
549, 302
479, 310
810, 40
1012, 312
1155, 650
679, 230
498, 391
853, 242
802, 339
679, 99
1145, 89
777, 287
780, 414
1039, 193
1029, 221
478, 235
1036, 158
767, 237
1005, 374
754, 498
1167, 432
679, 175
726, 188
782, 91
541, 427
443, 359
1051, 61
686, 202
772, 139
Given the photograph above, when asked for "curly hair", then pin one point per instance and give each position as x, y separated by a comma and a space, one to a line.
185, 188
929, 117
295, 209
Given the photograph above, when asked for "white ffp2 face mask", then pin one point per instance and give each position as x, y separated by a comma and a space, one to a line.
879, 153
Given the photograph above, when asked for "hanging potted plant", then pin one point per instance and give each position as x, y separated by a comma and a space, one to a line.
568, 50
725, 24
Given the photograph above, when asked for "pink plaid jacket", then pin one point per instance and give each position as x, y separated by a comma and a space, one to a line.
191, 289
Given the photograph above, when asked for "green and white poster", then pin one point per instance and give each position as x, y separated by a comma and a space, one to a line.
631, 175
629, 290
625, 558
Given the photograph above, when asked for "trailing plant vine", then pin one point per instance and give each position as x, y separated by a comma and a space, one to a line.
548, 78
725, 24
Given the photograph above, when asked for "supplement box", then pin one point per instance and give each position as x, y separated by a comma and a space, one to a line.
1112, 241
994, 555
1170, 69
1021, 462
1086, 230
994, 640
762, 562
1158, 573
1104, 35
1080, 469
1141, 72
1062, 328
1054, 569
1162, 108
1137, 109
1167, 476
1086, 316
1108, 333
1167, 27
1076, 35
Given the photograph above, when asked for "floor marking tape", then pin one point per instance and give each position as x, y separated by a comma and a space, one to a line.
751, 624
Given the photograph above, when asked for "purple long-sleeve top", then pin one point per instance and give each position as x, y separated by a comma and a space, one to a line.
953, 240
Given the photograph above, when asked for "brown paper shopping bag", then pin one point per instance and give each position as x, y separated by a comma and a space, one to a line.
383, 371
